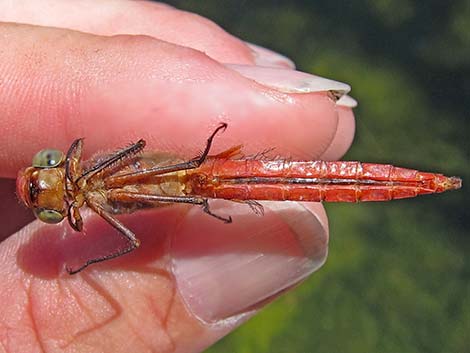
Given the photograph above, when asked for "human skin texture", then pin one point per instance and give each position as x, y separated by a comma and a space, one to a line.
117, 71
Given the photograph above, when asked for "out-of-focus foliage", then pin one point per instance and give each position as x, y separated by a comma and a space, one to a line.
398, 275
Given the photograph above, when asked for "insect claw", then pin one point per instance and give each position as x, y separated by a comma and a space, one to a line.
70, 271
222, 126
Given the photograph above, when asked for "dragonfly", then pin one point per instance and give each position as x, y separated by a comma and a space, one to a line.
58, 185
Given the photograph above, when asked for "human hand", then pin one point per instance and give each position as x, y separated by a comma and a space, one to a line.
194, 278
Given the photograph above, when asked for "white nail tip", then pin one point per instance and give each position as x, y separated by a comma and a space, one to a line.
347, 101
291, 81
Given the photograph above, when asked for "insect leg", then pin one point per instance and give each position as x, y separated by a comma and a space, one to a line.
112, 159
206, 209
198, 160
123, 230
133, 177
126, 196
74, 217
72, 159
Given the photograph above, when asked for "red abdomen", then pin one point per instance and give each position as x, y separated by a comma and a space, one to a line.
312, 181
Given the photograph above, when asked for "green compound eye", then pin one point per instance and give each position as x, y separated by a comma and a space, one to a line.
48, 158
48, 216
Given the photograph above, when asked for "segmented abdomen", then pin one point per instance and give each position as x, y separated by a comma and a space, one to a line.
337, 181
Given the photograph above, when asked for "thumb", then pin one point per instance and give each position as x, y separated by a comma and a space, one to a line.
192, 281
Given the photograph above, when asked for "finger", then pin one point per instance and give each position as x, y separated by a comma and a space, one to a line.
119, 89
193, 279
133, 17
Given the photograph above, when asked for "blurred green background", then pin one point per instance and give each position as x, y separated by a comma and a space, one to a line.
398, 274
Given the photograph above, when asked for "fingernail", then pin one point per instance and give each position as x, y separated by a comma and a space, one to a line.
291, 81
269, 58
347, 101
224, 270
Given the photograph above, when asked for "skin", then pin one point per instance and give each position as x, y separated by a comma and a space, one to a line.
81, 74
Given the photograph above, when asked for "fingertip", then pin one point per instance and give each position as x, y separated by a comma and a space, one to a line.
344, 135
225, 270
